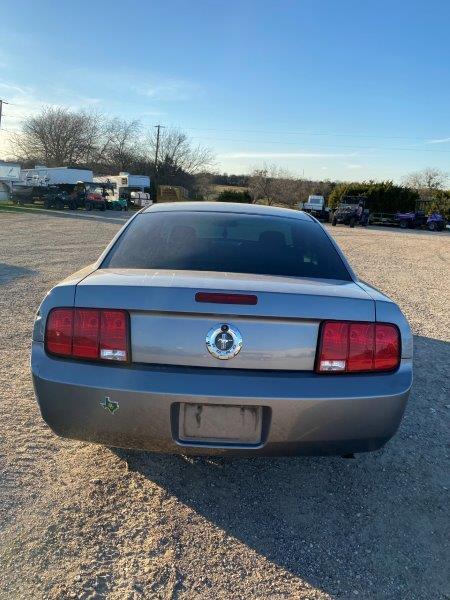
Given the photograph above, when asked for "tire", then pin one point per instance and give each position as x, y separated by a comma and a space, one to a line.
88, 206
403, 224
102, 207
334, 222
432, 226
352, 222
59, 204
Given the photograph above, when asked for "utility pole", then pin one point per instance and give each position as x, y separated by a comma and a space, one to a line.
2, 102
158, 128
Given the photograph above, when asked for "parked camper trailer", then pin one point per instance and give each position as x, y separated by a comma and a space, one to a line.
41, 175
125, 185
9, 175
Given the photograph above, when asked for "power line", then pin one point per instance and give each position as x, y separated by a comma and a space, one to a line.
310, 133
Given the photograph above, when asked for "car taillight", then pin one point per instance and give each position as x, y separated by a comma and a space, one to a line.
88, 334
351, 347
59, 332
113, 335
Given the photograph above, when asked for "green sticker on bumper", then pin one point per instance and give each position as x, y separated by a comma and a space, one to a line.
110, 405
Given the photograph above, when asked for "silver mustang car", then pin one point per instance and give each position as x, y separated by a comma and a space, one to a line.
215, 328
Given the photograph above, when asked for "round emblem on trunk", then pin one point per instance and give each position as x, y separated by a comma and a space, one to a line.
223, 341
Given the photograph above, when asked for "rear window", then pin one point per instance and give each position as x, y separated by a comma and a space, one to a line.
233, 243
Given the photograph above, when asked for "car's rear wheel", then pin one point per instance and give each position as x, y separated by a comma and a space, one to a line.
403, 224
88, 206
432, 226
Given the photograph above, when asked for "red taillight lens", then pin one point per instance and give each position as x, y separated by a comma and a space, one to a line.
334, 347
360, 347
113, 335
88, 333
387, 347
348, 347
59, 331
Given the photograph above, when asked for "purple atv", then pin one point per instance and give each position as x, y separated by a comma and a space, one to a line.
418, 219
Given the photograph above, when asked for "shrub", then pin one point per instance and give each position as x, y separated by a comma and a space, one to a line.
229, 196
380, 197
441, 203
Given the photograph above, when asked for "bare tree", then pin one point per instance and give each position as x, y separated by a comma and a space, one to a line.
120, 144
60, 137
427, 182
273, 184
57, 137
176, 148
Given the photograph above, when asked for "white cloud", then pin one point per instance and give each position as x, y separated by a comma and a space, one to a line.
439, 141
287, 155
22, 102
13, 88
170, 90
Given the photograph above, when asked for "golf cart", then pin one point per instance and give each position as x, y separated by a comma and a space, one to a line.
351, 211
108, 191
418, 220
89, 195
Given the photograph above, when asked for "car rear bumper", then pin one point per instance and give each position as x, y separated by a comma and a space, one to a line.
303, 413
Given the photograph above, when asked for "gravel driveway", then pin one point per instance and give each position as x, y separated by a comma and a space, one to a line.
83, 521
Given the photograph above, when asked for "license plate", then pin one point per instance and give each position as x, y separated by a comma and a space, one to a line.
216, 423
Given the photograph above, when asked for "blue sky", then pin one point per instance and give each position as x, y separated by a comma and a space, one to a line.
339, 89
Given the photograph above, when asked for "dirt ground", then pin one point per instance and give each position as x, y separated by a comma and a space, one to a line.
83, 521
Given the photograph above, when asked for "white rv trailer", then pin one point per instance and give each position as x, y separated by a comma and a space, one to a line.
43, 176
133, 188
9, 175
125, 182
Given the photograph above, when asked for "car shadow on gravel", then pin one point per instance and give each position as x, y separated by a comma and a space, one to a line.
112, 216
374, 526
10, 272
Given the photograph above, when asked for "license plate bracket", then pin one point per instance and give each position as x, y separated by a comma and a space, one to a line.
220, 424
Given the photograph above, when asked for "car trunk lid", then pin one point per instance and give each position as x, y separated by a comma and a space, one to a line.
168, 325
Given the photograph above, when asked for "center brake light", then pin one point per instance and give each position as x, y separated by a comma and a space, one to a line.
222, 298
352, 347
88, 334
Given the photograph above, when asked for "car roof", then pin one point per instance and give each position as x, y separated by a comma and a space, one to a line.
228, 207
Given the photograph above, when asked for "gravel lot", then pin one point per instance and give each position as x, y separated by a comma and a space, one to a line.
83, 521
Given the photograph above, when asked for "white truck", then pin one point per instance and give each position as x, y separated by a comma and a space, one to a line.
316, 206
